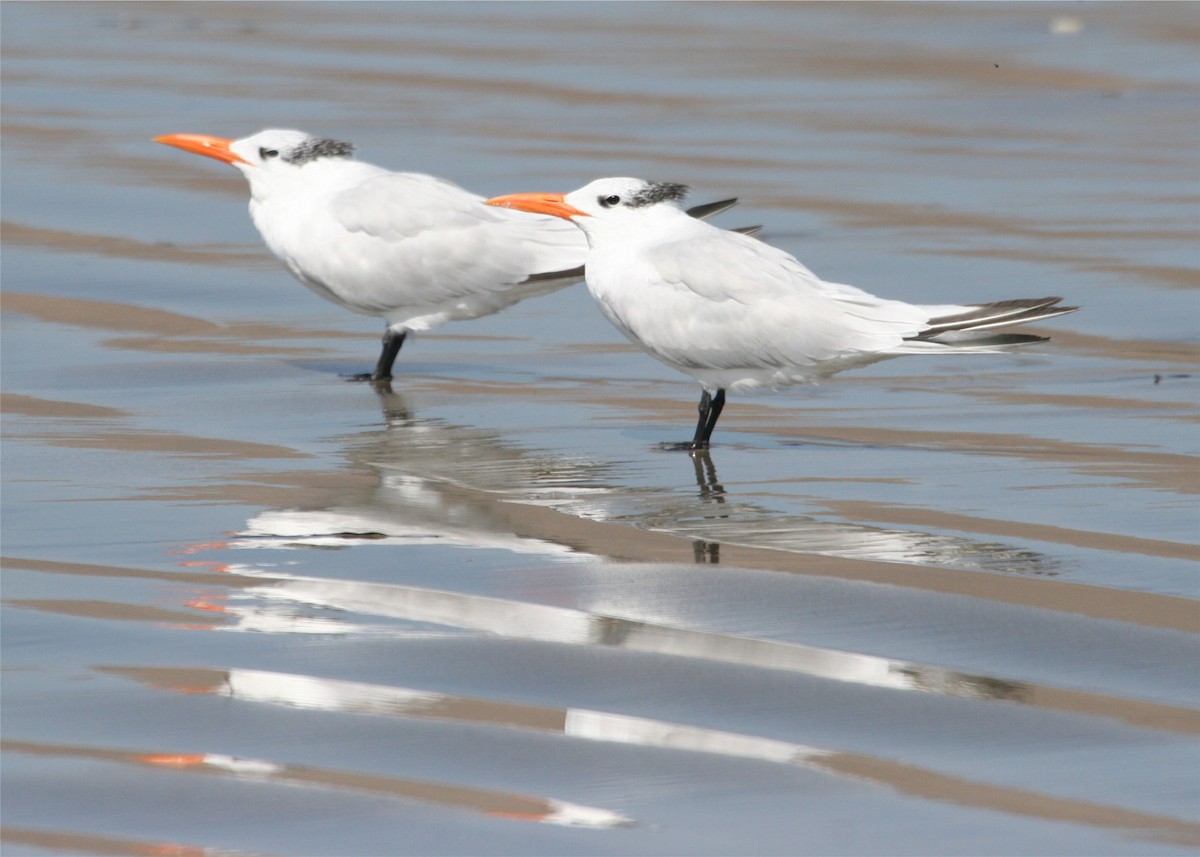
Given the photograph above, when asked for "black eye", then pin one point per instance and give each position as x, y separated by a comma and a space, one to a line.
609, 201
266, 153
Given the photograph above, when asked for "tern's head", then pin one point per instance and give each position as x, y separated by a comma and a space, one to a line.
267, 153
618, 201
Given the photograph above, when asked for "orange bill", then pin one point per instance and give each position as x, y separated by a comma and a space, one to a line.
538, 203
203, 144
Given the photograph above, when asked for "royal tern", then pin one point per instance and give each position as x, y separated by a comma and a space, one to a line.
412, 249
736, 313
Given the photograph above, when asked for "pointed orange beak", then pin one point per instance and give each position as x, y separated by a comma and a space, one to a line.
538, 203
202, 144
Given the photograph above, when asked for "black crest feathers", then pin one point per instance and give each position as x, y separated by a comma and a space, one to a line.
656, 192
315, 147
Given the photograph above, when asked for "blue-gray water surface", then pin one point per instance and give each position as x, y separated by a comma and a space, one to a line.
931, 607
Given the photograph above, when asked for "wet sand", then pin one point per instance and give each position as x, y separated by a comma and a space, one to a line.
934, 606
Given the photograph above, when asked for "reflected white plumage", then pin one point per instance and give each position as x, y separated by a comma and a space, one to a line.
410, 248
736, 313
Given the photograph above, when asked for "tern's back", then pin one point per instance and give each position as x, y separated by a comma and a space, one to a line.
411, 248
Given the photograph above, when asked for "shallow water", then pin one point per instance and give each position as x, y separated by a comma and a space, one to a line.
940, 606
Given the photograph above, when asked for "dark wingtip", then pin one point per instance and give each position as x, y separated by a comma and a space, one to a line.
709, 209
547, 276
993, 315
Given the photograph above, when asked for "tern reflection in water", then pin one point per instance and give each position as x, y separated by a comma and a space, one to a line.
437, 483
324, 694
451, 485
492, 721
417, 611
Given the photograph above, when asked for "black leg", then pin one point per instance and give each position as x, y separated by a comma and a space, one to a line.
387, 356
704, 407
710, 408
